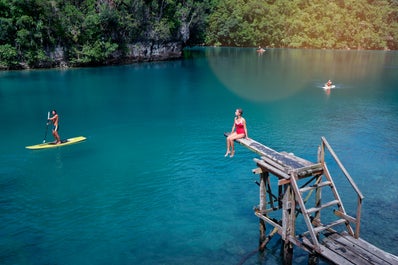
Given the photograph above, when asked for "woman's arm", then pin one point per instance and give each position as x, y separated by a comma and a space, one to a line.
244, 125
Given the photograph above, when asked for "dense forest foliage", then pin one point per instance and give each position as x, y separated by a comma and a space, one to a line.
91, 32
340, 24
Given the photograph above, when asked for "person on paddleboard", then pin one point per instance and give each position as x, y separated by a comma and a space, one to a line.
329, 83
260, 49
54, 119
240, 132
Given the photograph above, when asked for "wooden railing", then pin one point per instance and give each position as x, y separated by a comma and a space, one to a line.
321, 159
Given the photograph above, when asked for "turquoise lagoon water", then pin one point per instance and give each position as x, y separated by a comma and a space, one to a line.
151, 184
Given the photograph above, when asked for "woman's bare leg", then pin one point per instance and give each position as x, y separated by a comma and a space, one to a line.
230, 143
232, 138
228, 147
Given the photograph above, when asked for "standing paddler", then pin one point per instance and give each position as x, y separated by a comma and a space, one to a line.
55, 119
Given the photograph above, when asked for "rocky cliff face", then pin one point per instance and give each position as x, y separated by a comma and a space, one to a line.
154, 52
137, 52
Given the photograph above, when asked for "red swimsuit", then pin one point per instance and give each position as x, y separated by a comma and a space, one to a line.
240, 128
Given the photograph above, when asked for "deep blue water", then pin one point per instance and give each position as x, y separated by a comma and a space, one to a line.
151, 184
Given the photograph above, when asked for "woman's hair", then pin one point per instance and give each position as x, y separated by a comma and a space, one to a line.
240, 111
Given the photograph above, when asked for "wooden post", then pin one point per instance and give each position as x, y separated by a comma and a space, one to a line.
287, 253
288, 224
321, 153
318, 199
313, 257
263, 207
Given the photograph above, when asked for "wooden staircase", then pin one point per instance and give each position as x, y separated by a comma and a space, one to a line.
312, 216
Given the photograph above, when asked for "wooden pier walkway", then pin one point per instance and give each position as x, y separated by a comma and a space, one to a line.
335, 236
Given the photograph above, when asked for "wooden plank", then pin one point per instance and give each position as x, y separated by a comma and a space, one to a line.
328, 226
309, 170
275, 164
253, 145
330, 254
271, 169
315, 186
354, 250
262, 150
383, 255
286, 161
315, 209
299, 159
338, 251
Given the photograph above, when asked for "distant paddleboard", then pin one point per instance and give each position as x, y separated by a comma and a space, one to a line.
52, 144
328, 87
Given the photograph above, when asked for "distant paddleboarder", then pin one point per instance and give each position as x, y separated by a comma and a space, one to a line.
260, 49
55, 119
329, 84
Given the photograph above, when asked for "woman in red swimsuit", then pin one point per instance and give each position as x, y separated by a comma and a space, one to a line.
241, 132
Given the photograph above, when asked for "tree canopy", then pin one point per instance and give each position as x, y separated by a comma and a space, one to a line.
33, 32
90, 31
342, 24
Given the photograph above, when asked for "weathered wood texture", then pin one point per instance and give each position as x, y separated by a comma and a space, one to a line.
339, 247
286, 160
342, 248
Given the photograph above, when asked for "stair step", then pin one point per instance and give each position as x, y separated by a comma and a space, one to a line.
315, 209
310, 170
320, 185
325, 227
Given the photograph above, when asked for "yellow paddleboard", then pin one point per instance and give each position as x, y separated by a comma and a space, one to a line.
52, 144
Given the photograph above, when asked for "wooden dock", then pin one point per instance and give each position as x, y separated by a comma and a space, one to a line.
298, 195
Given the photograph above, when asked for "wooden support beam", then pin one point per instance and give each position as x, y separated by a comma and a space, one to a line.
263, 207
345, 216
283, 182
257, 170
271, 169
268, 220
309, 170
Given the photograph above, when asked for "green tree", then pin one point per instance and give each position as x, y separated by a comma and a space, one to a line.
367, 24
8, 57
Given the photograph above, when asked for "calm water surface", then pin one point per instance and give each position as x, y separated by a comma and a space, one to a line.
151, 184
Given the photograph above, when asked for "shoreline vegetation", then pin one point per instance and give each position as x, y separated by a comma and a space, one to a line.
75, 33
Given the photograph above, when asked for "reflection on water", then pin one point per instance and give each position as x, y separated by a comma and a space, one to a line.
282, 73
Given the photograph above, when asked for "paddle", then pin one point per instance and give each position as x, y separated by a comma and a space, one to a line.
45, 134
